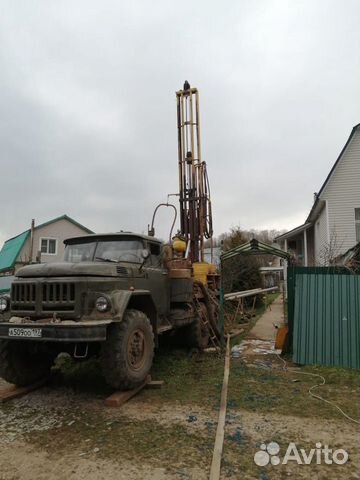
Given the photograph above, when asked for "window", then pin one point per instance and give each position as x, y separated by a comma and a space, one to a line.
48, 246
357, 224
80, 252
155, 254
121, 250
154, 249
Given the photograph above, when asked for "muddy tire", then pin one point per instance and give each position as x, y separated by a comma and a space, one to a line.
22, 363
126, 356
196, 334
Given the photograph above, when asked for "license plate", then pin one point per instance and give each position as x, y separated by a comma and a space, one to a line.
25, 332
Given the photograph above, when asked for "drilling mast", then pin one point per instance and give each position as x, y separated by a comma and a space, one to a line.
194, 191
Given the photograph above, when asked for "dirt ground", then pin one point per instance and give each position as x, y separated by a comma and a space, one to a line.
63, 431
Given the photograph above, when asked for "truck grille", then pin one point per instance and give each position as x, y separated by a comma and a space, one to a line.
23, 294
46, 297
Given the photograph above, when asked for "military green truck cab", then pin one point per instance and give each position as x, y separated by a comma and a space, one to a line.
112, 296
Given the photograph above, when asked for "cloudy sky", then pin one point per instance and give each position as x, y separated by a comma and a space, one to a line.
88, 112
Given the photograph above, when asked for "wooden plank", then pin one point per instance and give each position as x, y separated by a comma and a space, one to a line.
14, 391
117, 399
220, 432
237, 332
211, 350
155, 384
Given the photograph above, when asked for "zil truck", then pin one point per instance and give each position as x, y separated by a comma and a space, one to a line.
116, 293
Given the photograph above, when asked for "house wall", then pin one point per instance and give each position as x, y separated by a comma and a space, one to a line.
321, 239
59, 230
342, 193
311, 246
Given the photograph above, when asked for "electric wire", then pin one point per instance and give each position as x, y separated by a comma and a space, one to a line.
310, 391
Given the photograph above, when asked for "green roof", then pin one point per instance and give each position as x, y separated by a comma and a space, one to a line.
11, 250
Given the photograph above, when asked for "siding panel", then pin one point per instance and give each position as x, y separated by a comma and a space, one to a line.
343, 195
321, 238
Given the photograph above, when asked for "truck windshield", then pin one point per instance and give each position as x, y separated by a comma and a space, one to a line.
105, 251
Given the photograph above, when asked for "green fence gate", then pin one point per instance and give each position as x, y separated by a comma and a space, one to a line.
324, 316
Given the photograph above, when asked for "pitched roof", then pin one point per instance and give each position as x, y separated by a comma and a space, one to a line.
332, 171
64, 217
293, 232
13, 246
11, 250
317, 204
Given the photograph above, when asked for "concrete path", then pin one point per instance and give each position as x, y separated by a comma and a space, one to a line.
264, 328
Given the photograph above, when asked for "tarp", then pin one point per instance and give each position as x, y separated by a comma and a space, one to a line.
11, 250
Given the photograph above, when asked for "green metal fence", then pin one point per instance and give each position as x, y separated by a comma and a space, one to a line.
324, 316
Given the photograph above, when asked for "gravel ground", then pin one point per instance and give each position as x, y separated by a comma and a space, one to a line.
55, 433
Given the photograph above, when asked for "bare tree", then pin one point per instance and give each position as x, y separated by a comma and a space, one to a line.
331, 250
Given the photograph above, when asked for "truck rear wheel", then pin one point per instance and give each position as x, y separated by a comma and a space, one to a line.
127, 354
22, 363
197, 334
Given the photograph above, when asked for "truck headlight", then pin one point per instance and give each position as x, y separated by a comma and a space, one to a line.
102, 304
4, 303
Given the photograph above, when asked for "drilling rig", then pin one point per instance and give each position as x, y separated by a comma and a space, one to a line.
194, 191
184, 257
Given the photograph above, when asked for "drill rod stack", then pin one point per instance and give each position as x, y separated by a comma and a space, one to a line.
194, 192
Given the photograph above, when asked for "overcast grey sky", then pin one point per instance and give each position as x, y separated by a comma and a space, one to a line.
88, 112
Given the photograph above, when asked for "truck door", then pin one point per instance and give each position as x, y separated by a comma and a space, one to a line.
158, 281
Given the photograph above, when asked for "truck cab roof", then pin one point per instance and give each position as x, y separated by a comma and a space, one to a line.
111, 236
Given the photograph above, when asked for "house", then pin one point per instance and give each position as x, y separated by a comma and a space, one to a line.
40, 243
333, 224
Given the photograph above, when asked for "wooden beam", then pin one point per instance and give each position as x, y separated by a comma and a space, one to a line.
220, 432
14, 391
236, 333
117, 399
155, 384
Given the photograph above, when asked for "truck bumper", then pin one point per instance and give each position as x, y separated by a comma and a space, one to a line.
65, 332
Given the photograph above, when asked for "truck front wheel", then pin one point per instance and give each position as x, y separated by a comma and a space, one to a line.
22, 363
127, 354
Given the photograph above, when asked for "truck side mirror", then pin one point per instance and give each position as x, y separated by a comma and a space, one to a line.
145, 253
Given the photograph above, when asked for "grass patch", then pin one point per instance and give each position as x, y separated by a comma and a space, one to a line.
266, 390
197, 380
82, 377
189, 379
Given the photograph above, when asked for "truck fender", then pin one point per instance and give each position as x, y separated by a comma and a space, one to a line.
119, 303
138, 300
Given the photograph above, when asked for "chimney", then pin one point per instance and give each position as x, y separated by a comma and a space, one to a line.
31, 240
